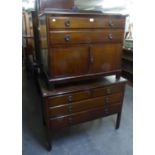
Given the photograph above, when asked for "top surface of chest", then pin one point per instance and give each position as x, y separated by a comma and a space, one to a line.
80, 86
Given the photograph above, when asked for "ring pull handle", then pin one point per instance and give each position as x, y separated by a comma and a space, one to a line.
67, 23
67, 38
110, 36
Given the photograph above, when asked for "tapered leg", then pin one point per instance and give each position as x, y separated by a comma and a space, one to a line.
118, 120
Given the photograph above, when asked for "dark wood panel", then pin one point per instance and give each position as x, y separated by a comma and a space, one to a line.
87, 36
107, 90
68, 61
85, 22
94, 91
85, 105
97, 37
62, 122
90, 76
106, 57
65, 99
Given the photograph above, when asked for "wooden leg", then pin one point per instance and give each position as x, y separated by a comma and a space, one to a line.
118, 120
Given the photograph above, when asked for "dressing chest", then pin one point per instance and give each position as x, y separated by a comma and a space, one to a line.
80, 45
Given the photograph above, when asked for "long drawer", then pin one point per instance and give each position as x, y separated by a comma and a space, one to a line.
65, 99
86, 22
82, 95
72, 119
85, 105
96, 36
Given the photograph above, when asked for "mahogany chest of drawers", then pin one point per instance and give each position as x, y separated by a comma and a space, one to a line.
72, 104
80, 45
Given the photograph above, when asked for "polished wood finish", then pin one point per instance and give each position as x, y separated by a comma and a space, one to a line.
80, 45
77, 50
85, 94
85, 36
81, 60
85, 22
71, 97
68, 61
106, 57
107, 90
71, 104
83, 105
73, 119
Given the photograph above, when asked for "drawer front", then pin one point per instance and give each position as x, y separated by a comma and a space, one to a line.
96, 36
85, 105
107, 90
66, 121
86, 22
65, 99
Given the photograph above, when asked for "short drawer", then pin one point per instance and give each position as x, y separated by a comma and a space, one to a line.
107, 90
70, 120
86, 22
85, 105
65, 99
86, 36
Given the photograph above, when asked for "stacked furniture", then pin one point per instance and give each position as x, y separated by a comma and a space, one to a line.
80, 60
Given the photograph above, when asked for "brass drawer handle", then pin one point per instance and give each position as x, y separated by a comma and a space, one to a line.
110, 36
67, 23
67, 38
70, 98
